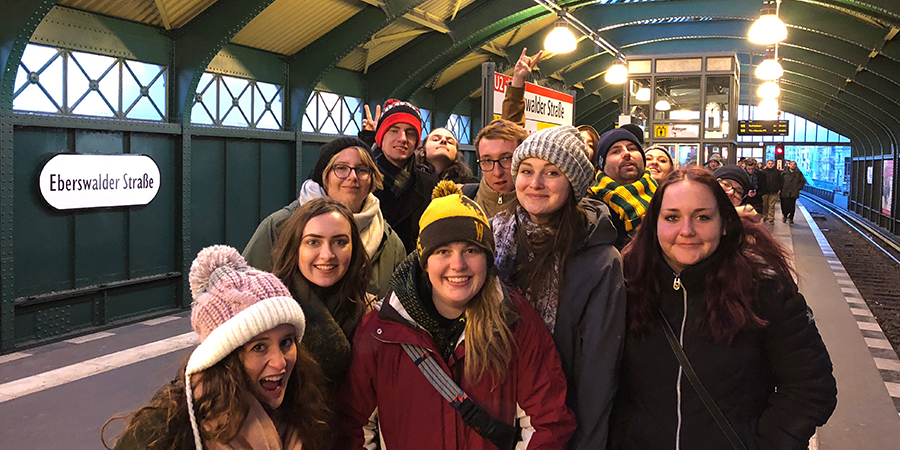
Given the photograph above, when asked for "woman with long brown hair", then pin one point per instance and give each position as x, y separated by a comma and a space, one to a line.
439, 155
449, 326
722, 290
320, 257
249, 384
557, 247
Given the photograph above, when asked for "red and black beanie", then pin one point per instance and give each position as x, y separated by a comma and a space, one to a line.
393, 112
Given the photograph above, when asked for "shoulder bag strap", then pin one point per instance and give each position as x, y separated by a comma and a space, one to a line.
698, 386
503, 435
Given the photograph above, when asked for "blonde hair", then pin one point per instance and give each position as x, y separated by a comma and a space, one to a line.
376, 179
489, 340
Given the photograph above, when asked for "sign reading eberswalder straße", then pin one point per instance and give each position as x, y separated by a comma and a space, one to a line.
74, 181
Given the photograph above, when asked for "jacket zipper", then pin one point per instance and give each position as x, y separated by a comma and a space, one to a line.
500, 199
676, 285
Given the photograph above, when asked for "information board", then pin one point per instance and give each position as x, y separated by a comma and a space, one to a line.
763, 127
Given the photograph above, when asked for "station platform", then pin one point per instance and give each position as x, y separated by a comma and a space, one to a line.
60, 395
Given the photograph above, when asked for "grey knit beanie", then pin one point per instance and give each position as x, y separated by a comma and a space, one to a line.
562, 146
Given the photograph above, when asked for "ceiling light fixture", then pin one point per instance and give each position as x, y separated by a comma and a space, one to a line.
768, 29
616, 74
768, 108
663, 105
769, 69
566, 21
769, 89
560, 39
642, 95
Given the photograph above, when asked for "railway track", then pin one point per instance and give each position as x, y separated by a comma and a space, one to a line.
870, 258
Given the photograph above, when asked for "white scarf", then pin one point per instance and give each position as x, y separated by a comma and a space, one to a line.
370, 221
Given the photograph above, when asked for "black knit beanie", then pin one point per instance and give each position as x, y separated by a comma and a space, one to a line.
329, 150
734, 173
608, 139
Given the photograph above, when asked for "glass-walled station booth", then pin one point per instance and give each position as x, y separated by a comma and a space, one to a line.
686, 103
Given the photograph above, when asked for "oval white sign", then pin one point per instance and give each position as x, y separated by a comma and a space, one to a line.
72, 181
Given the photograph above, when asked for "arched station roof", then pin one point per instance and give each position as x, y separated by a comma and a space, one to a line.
841, 58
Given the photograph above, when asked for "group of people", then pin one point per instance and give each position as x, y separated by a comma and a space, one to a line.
754, 190
583, 294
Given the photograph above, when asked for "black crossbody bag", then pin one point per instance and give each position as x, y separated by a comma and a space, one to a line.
501, 434
698, 386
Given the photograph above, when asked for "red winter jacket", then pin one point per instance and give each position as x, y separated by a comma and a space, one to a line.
386, 402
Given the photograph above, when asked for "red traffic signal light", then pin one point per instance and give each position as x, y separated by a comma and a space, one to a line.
779, 149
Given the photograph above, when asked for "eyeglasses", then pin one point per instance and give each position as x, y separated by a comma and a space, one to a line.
342, 172
487, 165
729, 189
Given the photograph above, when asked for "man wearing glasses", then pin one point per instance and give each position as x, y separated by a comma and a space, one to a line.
495, 145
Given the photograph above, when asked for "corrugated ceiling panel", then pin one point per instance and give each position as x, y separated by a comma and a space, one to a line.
181, 12
143, 11
443, 9
523, 32
356, 60
466, 64
287, 26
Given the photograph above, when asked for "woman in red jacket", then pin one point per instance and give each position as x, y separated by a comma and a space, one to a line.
448, 315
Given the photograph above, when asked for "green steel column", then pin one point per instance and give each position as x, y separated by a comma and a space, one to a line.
16, 27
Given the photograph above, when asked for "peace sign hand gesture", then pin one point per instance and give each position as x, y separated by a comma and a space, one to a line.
368, 124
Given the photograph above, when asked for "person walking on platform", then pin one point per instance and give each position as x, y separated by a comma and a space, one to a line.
344, 172
714, 162
714, 360
319, 255
249, 384
774, 182
557, 247
452, 359
757, 185
794, 181
623, 183
439, 155
495, 145
394, 134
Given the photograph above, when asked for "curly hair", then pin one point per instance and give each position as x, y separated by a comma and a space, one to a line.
746, 257
221, 408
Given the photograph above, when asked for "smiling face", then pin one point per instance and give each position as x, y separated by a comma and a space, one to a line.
589, 141
659, 164
399, 142
624, 162
269, 360
441, 144
457, 272
542, 188
689, 227
350, 191
498, 178
325, 249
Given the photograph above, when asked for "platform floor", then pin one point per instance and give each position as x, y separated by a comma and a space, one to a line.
59, 395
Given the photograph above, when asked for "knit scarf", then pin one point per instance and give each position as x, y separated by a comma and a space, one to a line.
506, 226
370, 221
259, 432
404, 283
630, 201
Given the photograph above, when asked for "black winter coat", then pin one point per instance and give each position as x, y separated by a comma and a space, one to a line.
774, 180
742, 377
402, 209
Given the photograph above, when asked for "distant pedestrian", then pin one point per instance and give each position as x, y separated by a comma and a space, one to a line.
794, 181
249, 384
757, 185
714, 162
774, 181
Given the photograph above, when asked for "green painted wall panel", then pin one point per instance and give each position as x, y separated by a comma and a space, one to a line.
310, 157
100, 246
42, 236
99, 142
276, 177
34, 324
152, 228
241, 191
138, 300
207, 192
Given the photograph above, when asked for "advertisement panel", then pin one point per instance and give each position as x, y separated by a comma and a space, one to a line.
544, 108
887, 186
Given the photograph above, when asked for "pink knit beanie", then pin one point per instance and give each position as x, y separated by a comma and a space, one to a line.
233, 303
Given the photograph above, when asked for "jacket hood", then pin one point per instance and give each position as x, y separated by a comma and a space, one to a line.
600, 229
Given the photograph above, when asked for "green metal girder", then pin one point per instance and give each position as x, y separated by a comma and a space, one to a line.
17, 24
585, 50
450, 95
853, 130
603, 16
884, 67
590, 69
307, 67
592, 108
892, 50
195, 45
587, 104
605, 89
854, 54
697, 44
605, 119
817, 58
646, 33
825, 20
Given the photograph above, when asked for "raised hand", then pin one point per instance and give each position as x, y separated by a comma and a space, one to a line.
368, 123
524, 66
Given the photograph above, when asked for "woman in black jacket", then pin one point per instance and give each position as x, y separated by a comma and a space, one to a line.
725, 288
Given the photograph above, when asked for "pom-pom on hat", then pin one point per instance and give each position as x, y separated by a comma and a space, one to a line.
233, 303
329, 150
394, 111
561, 146
452, 217
608, 139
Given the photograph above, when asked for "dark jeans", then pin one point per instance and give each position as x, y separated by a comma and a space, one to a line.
788, 206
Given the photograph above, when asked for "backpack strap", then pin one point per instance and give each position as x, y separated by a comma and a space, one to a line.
503, 435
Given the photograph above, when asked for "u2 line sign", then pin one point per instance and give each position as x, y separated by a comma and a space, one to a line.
71, 181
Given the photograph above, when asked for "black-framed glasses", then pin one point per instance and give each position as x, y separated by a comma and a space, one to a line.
342, 171
729, 189
487, 165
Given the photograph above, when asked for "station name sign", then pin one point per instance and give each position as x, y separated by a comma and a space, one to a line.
544, 108
72, 181
763, 127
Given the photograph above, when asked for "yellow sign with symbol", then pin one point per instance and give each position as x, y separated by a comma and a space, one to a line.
660, 131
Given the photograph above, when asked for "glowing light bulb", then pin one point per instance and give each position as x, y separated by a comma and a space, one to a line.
560, 39
663, 105
768, 108
643, 94
769, 69
767, 30
617, 74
